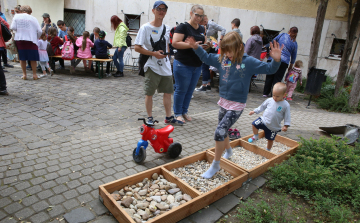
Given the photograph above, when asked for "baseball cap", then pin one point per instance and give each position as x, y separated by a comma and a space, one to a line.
158, 3
102, 34
46, 15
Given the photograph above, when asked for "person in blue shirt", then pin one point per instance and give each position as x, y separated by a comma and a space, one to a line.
3, 53
235, 70
101, 48
63, 30
288, 55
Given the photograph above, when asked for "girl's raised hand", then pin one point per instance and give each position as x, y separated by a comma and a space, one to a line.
192, 42
275, 51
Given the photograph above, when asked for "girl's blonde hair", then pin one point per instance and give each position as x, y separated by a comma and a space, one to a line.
232, 42
86, 35
43, 36
298, 64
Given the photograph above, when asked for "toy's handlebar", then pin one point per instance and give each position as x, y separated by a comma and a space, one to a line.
143, 119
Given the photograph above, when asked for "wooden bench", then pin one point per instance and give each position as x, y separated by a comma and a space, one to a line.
99, 63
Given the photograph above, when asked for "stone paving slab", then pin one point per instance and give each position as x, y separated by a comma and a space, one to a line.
77, 132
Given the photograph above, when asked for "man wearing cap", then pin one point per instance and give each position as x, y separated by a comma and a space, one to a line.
153, 40
46, 24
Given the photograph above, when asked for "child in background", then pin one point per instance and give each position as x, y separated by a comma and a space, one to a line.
84, 43
43, 56
93, 37
276, 109
101, 47
72, 38
292, 77
55, 42
235, 71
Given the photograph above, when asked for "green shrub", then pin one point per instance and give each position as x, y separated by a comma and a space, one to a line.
301, 88
349, 79
275, 209
327, 173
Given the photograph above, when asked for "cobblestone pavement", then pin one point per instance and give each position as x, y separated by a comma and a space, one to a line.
63, 136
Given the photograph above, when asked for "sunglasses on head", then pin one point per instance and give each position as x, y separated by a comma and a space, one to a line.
161, 9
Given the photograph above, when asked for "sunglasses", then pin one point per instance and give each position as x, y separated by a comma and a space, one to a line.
198, 15
161, 9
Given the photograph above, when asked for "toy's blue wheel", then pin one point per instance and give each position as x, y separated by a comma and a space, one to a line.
141, 157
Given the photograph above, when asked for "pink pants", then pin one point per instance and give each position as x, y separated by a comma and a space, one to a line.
290, 88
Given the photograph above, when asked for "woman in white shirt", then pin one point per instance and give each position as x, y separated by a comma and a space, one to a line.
26, 38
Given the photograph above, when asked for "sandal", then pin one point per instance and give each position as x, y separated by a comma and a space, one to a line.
35, 77
232, 134
237, 134
180, 118
24, 78
187, 117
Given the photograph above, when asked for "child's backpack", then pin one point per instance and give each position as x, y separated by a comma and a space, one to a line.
128, 40
68, 52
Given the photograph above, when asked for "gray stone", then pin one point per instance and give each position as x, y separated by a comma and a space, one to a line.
245, 191
156, 198
79, 215
105, 219
39, 144
226, 203
173, 191
258, 181
98, 207
12, 149
206, 215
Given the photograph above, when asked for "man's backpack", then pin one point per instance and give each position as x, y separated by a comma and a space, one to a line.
68, 52
156, 46
128, 40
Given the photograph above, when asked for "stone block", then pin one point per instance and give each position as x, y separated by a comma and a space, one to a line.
79, 215
258, 181
245, 191
206, 215
226, 203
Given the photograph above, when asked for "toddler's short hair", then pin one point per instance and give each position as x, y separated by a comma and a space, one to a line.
280, 87
298, 64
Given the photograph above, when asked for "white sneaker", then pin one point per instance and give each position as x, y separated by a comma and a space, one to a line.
41, 76
51, 72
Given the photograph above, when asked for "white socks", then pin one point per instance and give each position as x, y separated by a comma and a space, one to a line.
228, 153
215, 167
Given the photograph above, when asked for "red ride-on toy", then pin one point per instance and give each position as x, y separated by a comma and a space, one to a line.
159, 140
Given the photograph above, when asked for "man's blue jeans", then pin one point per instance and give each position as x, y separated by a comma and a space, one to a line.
186, 78
205, 73
118, 58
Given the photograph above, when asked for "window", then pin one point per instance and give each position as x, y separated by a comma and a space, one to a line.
76, 19
337, 48
269, 35
133, 22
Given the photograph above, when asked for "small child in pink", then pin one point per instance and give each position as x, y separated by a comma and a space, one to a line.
84, 43
292, 77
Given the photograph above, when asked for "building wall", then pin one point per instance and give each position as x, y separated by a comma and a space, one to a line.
305, 8
54, 7
272, 14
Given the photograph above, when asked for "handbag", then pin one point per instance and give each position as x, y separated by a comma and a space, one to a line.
144, 58
5, 32
11, 46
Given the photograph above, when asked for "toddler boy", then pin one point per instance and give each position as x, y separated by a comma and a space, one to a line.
276, 109
101, 47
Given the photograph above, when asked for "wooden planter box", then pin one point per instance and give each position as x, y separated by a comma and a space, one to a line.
198, 201
272, 158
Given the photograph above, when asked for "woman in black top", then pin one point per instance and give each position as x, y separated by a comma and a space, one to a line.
187, 65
